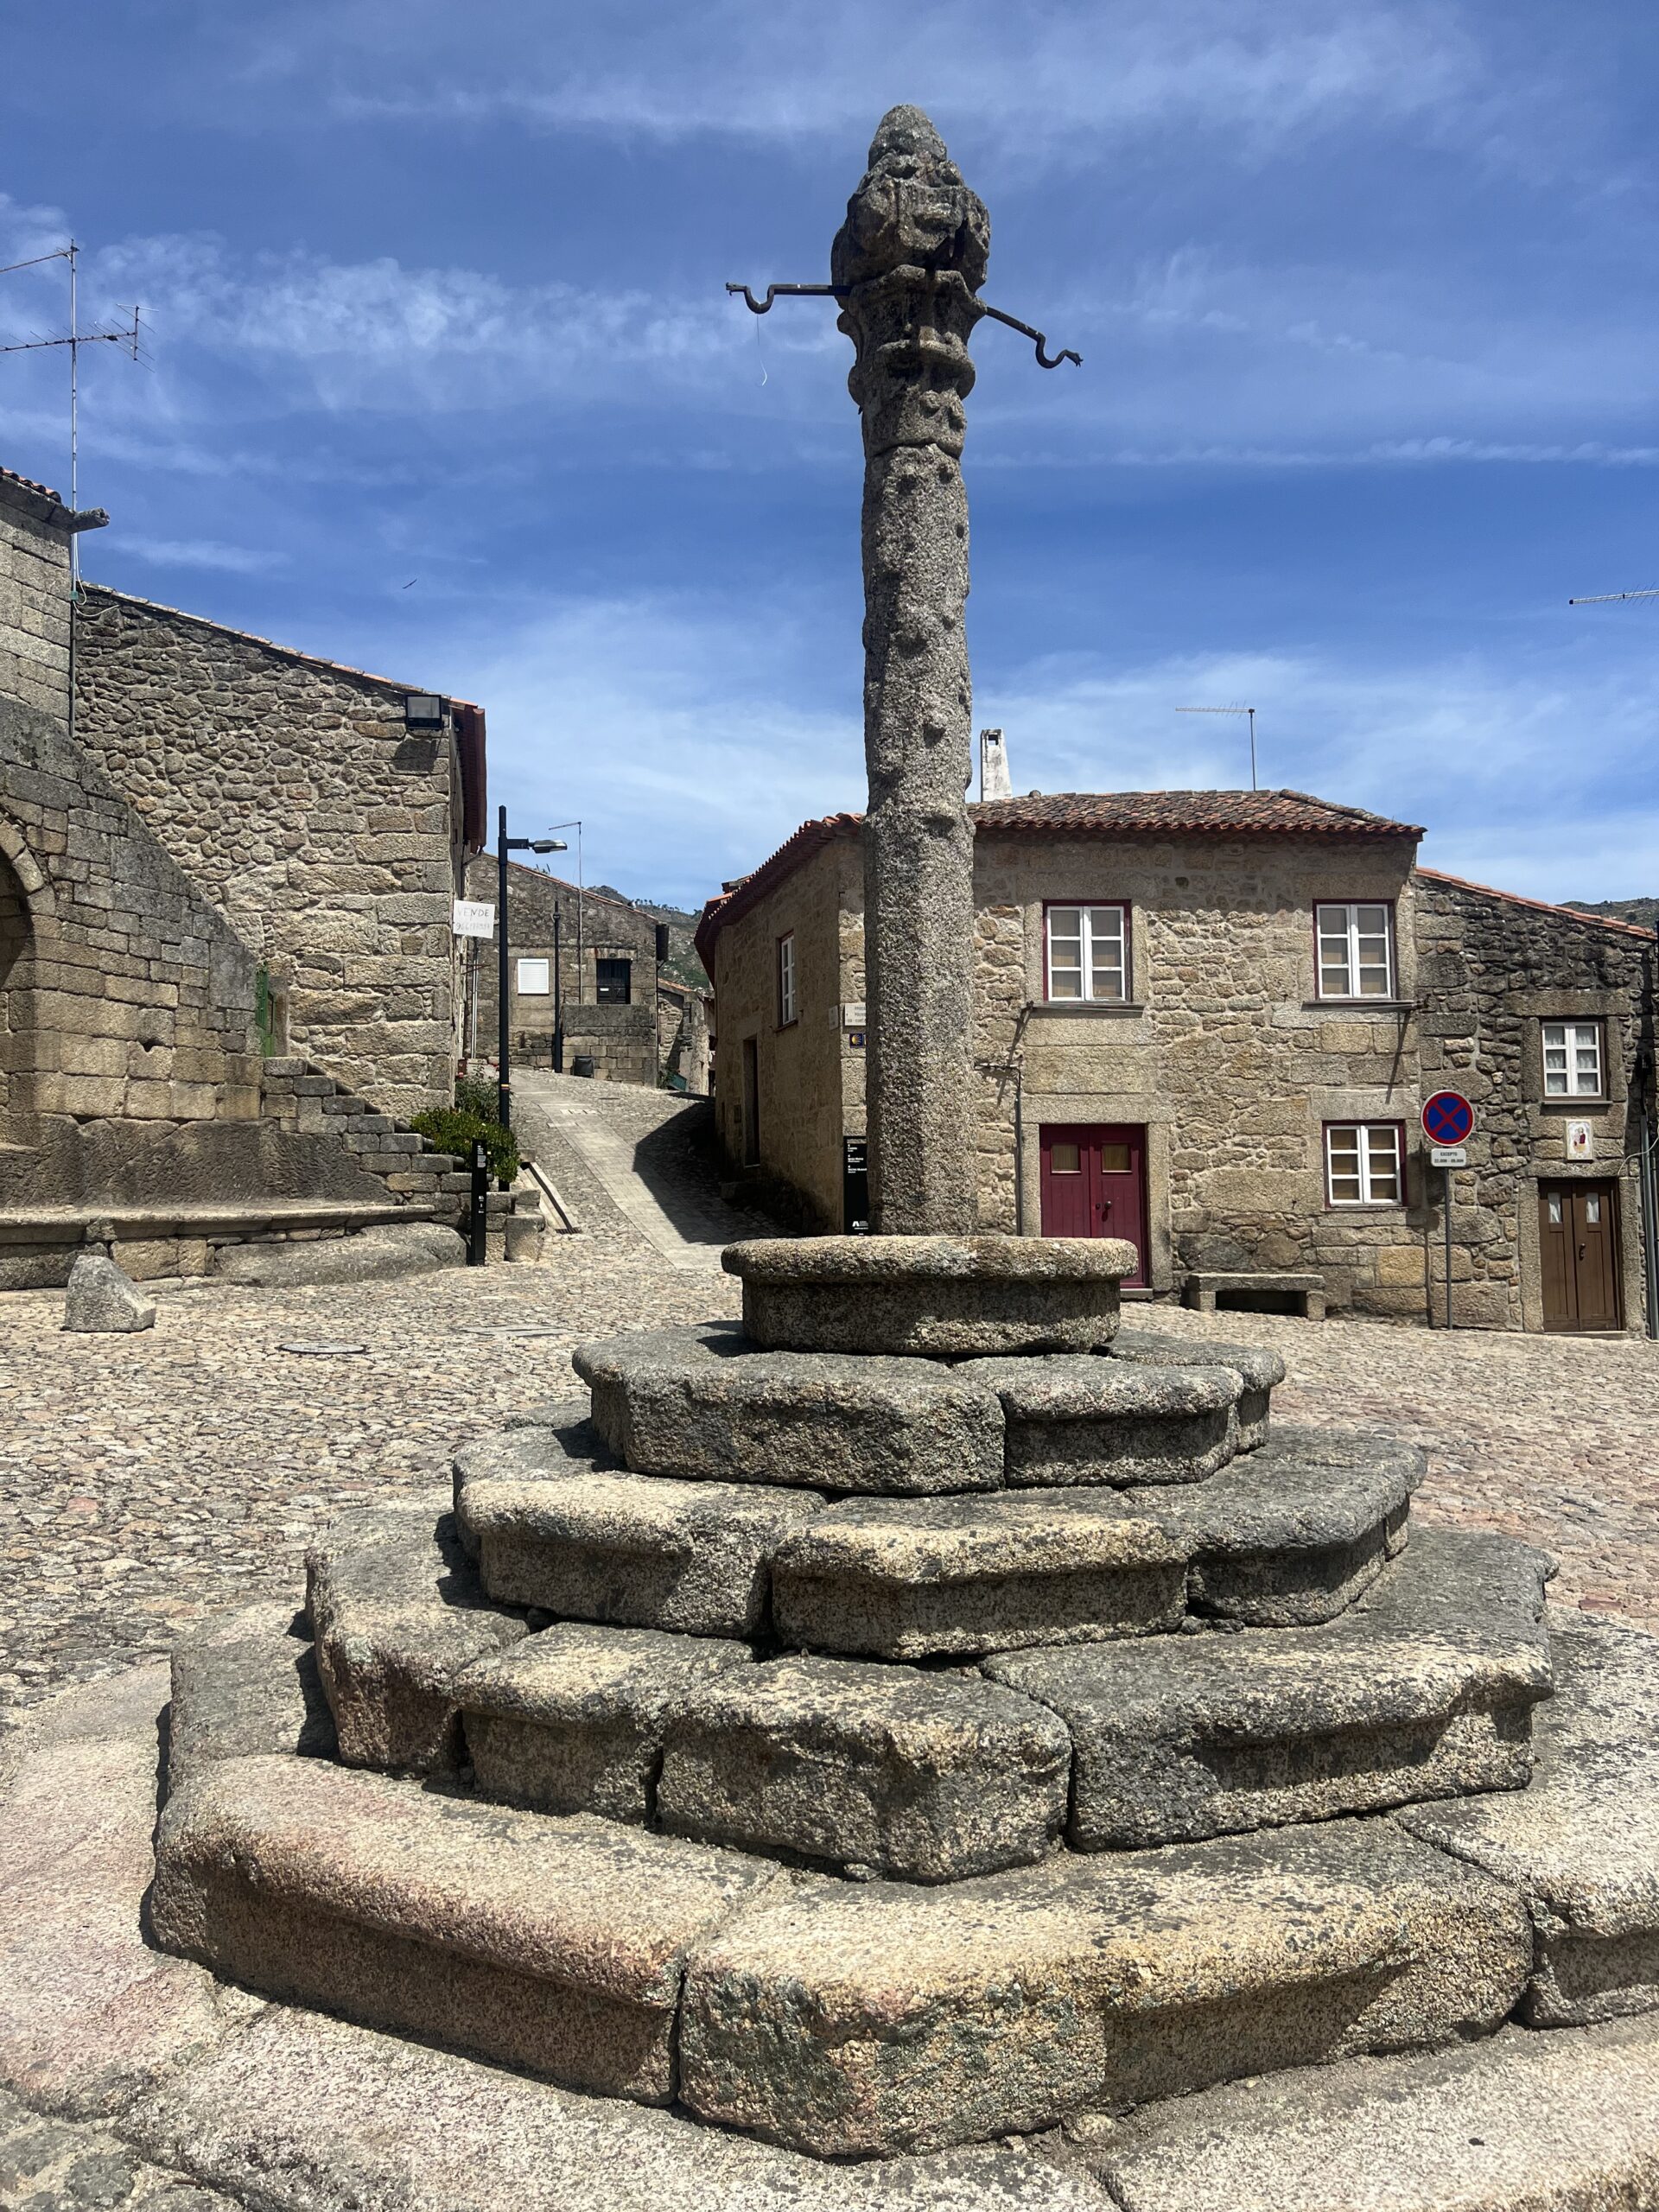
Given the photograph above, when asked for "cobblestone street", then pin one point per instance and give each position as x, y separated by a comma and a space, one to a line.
147, 1480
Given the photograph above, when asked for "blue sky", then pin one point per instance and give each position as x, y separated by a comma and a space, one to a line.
1364, 292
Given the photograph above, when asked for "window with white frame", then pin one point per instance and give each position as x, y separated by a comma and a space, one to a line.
786, 979
1088, 953
1573, 1060
1362, 1164
1356, 950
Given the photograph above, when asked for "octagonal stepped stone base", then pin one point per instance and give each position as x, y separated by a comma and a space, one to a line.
703, 1403
1425, 1688
945, 1297
1259, 1370
839, 2018
1289, 1536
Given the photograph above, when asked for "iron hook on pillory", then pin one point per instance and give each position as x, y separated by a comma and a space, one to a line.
839, 291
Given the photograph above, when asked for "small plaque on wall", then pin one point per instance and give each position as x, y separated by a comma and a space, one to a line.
1581, 1141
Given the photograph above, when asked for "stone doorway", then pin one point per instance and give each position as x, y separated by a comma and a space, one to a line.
1094, 1183
18, 1007
1578, 1250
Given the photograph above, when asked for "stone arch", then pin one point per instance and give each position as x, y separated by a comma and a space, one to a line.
31, 877
26, 901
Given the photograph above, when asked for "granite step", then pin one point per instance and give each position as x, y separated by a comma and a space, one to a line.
1074, 1418
555, 1526
850, 2019
1286, 1537
399, 1612
558, 1946
894, 1770
1568, 2122
704, 1402
1424, 1688
1259, 1370
943, 1297
1581, 1845
572, 1721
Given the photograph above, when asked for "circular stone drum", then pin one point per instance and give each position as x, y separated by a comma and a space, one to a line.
943, 1297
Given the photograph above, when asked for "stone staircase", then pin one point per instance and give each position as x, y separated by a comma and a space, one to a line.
300, 1099
875, 1749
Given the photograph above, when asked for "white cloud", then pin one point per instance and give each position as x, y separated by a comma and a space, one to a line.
202, 553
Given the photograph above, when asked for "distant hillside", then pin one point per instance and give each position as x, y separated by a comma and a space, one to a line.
681, 965
1645, 912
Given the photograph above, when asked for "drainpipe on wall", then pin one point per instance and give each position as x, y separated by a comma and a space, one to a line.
1019, 1148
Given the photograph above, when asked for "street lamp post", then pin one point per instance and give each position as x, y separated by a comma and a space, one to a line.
503, 846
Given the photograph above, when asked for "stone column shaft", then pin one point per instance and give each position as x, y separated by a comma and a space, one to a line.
911, 256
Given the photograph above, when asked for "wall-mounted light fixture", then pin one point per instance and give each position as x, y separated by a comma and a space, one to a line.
424, 710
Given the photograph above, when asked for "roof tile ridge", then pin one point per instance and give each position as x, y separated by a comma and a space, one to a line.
1539, 905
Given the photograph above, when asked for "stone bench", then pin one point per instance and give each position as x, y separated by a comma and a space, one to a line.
1203, 1289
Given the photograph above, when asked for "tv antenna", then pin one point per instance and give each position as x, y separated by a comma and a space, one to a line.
1601, 598
121, 335
1251, 711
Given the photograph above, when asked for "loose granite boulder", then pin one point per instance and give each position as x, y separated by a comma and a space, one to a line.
1581, 1846
851, 2020
637, 1551
246, 1682
1075, 1417
558, 1946
101, 1299
703, 1401
943, 1297
924, 1777
398, 1613
1259, 1370
1425, 1688
572, 1720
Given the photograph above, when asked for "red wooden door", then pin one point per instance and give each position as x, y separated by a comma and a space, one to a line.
1094, 1183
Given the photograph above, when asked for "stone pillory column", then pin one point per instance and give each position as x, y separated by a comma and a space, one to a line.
907, 263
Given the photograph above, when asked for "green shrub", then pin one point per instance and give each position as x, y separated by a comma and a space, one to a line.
452, 1131
476, 1095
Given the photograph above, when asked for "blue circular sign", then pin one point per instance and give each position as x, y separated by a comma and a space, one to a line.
1448, 1118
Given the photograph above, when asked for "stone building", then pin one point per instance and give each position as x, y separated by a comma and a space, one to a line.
579, 958
683, 1036
206, 1005
325, 813
1207, 1021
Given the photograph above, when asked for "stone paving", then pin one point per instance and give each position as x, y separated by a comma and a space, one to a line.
148, 1480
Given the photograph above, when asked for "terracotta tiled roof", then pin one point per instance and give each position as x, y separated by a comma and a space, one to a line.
738, 896
1538, 905
1185, 814
27, 484
1078, 814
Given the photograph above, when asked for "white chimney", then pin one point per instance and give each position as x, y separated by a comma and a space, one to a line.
994, 765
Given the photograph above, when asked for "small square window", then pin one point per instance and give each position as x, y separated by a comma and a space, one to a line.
532, 979
1356, 950
1065, 1160
1088, 953
1574, 1055
1362, 1164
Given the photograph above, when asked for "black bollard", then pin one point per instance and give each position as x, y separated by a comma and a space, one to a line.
478, 1215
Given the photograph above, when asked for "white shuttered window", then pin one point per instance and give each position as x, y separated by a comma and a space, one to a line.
1573, 1060
1356, 951
1362, 1164
1088, 953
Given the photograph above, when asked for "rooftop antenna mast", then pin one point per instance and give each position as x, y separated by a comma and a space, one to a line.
77, 337
1601, 598
1251, 711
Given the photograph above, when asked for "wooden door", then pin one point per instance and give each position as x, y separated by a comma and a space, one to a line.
1577, 1244
1094, 1183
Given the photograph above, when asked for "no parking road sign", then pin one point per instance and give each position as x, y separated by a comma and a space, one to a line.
1448, 1118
